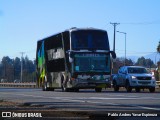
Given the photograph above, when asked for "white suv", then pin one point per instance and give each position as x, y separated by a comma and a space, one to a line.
134, 77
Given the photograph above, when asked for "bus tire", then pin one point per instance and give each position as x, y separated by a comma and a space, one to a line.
98, 89
51, 89
44, 86
63, 85
64, 89
76, 90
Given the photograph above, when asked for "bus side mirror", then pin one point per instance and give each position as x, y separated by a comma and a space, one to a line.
71, 55
113, 54
70, 59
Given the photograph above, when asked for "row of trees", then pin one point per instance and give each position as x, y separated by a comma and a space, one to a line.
140, 62
10, 69
148, 63
157, 74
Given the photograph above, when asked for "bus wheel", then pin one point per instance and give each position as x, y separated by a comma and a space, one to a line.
98, 89
44, 86
51, 89
63, 85
76, 90
64, 89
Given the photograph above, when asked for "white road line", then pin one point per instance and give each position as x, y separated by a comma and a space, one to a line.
86, 100
91, 98
147, 108
125, 98
121, 95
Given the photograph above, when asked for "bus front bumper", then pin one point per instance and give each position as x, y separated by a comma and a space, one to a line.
78, 83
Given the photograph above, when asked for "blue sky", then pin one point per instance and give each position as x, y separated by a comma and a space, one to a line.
23, 22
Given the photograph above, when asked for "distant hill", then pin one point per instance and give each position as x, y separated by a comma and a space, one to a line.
133, 58
154, 57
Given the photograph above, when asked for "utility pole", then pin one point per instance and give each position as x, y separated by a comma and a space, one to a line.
114, 24
22, 66
114, 37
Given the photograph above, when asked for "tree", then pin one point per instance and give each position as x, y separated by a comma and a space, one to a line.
28, 69
10, 69
158, 64
17, 68
145, 62
158, 47
129, 62
141, 62
120, 62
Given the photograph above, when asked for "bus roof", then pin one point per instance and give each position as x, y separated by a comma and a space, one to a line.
73, 29
87, 28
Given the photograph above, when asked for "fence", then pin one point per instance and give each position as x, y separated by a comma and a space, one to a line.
28, 85
34, 85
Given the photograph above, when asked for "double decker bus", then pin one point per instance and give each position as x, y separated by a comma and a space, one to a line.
77, 58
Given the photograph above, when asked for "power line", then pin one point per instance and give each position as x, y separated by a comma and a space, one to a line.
142, 23
136, 51
133, 52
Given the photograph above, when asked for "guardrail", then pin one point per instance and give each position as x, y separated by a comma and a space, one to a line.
158, 84
34, 85
29, 85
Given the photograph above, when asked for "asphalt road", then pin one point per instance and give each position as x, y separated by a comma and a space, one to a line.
107, 101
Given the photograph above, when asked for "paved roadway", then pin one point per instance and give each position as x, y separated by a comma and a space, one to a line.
85, 100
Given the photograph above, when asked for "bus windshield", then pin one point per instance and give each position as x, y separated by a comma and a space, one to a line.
90, 40
92, 63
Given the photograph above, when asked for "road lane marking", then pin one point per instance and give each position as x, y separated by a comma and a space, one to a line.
125, 98
121, 95
91, 98
84, 100
87, 100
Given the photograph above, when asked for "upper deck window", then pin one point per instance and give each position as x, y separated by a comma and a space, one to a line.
89, 39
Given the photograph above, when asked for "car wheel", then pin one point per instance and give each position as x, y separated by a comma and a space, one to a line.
137, 89
98, 89
115, 86
128, 87
152, 89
